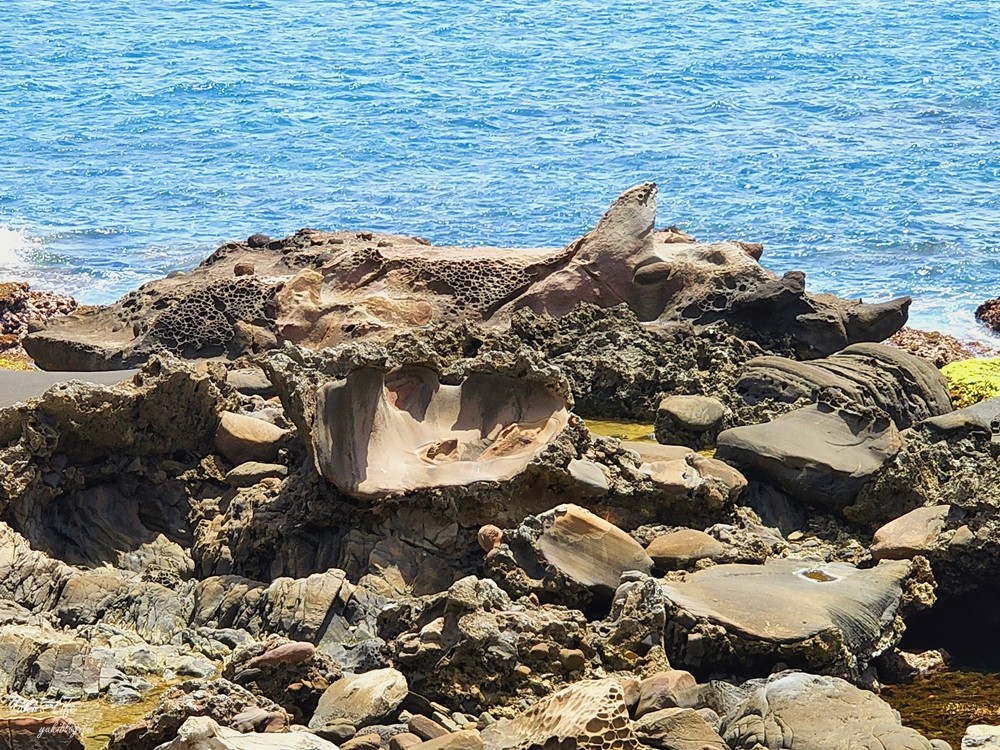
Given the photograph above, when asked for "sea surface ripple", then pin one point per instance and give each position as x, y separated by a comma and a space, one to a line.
859, 140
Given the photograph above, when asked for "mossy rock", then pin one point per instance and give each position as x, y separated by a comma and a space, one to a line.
973, 380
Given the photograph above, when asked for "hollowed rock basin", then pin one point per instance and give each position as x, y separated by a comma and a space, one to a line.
385, 433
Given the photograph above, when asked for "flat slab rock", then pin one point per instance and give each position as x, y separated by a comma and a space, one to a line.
786, 602
818, 454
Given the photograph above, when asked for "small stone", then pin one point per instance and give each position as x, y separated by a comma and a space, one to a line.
590, 478
251, 381
244, 268
572, 659
694, 413
523, 670
363, 742
426, 729
490, 537
242, 438
682, 548
253, 472
911, 534
258, 240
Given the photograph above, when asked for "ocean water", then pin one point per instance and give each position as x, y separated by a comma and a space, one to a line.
859, 140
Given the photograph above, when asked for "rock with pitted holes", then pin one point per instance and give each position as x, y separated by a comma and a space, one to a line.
590, 714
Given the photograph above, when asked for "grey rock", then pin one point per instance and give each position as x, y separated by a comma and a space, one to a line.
798, 710
825, 616
907, 387
818, 454
251, 381
589, 477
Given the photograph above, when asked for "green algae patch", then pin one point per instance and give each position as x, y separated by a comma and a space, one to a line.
942, 706
973, 380
621, 430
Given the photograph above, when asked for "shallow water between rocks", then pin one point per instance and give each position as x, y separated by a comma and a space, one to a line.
944, 705
621, 430
97, 718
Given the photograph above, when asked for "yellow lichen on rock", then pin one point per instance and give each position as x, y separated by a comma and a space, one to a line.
15, 363
973, 380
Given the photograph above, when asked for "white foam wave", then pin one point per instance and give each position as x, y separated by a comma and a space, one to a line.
15, 245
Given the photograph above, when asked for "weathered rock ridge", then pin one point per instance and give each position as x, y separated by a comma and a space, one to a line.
321, 289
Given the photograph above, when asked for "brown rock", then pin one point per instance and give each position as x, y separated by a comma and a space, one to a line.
363, 742
426, 729
241, 438
678, 729
382, 433
666, 690
590, 551
52, 733
243, 269
489, 537
684, 547
911, 534
404, 741
467, 739
988, 314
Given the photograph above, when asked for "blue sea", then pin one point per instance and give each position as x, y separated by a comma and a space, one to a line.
859, 140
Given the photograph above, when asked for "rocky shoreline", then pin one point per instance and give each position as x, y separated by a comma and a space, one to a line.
339, 490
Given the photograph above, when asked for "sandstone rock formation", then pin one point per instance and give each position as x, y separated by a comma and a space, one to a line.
906, 387
820, 454
590, 714
379, 433
322, 289
828, 617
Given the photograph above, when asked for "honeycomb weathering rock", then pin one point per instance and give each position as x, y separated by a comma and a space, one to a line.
319, 289
588, 715
380, 433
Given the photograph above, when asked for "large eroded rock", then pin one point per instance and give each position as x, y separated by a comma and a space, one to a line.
320, 289
819, 454
380, 433
906, 387
826, 617
587, 714
798, 711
